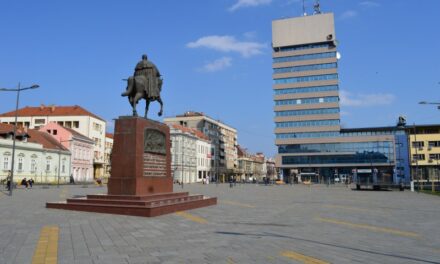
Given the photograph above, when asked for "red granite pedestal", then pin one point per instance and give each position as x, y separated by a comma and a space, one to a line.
140, 183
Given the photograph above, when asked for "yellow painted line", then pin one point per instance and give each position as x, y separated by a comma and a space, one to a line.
192, 217
238, 204
46, 251
352, 208
370, 227
302, 258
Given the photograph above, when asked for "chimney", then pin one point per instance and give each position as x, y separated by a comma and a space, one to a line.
52, 108
42, 107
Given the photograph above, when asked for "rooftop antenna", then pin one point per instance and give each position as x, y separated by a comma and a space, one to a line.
317, 8
304, 8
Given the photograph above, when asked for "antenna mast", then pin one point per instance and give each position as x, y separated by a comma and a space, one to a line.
304, 9
317, 8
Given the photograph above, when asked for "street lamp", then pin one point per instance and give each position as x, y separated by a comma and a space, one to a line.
431, 103
18, 90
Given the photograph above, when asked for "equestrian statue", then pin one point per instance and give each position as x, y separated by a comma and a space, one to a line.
145, 83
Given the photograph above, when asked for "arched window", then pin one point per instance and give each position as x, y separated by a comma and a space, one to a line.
48, 163
6, 161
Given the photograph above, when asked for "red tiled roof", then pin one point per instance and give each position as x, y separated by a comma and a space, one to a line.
36, 136
193, 131
77, 134
52, 111
109, 135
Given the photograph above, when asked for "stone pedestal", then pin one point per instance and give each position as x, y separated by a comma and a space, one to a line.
141, 158
140, 183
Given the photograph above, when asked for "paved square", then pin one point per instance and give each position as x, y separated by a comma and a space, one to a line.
250, 224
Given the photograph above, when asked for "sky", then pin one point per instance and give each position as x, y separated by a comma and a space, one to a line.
215, 57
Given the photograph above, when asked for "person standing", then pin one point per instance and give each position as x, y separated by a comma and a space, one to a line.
8, 181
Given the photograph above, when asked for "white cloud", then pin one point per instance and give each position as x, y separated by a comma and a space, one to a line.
369, 4
248, 3
250, 34
349, 14
217, 65
365, 100
228, 44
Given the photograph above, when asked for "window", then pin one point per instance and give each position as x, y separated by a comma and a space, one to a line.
320, 111
63, 166
48, 165
418, 144
6, 162
305, 57
418, 157
40, 121
303, 47
307, 135
334, 122
317, 100
55, 132
434, 144
312, 78
20, 163
75, 124
33, 165
305, 68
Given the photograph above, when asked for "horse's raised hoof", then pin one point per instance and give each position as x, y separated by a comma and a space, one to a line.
160, 113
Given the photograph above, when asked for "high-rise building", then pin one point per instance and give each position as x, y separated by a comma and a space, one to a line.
311, 144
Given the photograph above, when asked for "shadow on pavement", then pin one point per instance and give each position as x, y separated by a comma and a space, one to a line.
265, 234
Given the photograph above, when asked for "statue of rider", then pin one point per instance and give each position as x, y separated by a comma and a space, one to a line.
152, 75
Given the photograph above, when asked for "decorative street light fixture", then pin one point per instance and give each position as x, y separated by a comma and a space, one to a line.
18, 90
431, 103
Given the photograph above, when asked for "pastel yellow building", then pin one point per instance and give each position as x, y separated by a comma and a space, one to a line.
424, 152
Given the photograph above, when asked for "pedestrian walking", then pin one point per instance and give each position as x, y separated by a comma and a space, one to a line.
8, 181
30, 182
24, 183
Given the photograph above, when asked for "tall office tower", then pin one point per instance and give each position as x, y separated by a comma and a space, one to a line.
305, 78
311, 144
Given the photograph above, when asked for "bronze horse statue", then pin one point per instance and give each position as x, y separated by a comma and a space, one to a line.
145, 83
136, 85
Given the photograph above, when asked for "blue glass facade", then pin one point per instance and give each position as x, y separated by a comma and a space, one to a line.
312, 89
319, 111
314, 56
316, 100
311, 67
334, 122
312, 78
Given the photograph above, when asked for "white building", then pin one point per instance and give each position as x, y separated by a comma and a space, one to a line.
223, 138
74, 117
108, 154
183, 155
37, 155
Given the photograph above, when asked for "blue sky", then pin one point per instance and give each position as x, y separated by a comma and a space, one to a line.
215, 58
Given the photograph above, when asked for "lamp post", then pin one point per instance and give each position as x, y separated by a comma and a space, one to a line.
430, 103
18, 90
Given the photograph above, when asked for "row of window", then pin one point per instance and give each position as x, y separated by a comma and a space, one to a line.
312, 78
303, 47
332, 122
376, 146
311, 67
434, 156
372, 133
314, 56
316, 100
320, 111
421, 144
367, 158
33, 164
313, 89
307, 135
